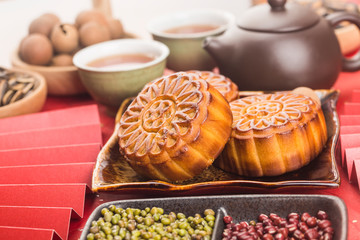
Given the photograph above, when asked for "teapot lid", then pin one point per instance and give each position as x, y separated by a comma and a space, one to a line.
276, 17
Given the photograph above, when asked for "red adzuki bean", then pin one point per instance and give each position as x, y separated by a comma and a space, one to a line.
273, 216
329, 230
298, 234
284, 232
294, 215
303, 227
273, 227
311, 234
311, 222
321, 215
279, 236
305, 216
328, 236
324, 224
228, 219
268, 236
262, 217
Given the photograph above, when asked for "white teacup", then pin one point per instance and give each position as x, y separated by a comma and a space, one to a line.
184, 33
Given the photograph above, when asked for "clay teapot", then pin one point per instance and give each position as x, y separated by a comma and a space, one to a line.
279, 46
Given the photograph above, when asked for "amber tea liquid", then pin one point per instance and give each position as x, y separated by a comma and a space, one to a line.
121, 60
193, 28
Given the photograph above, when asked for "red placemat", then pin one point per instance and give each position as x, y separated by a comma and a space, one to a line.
37, 217
46, 163
51, 173
50, 155
45, 195
20, 233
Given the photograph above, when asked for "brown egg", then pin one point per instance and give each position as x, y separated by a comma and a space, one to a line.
36, 49
44, 24
116, 28
88, 16
92, 32
64, 38
62, 60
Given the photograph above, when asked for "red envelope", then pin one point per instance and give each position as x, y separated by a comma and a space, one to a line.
18, 233
42, 174
348, 141
349, 120
52, 137
51, 119
45, 195
355, 95
345, 129
351, 108
37, 217
350, 155
50, 155
355, 174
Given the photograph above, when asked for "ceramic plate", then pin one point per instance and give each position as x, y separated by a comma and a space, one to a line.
241, 208
112, 172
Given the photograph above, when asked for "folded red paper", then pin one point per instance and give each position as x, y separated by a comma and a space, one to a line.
355, 95
348, 141
80, 134
52, 173
347, 129
19, 233
51, 119
45, 195
50, 155
37, 217
355, 174
349, 120
352, 108
350, 155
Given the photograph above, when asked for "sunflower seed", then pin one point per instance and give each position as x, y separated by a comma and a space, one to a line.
7, 97
3, 89
26, 79
27, 88
17, 96
18, 86
12, 81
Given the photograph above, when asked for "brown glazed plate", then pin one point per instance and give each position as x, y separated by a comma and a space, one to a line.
112, 172
245, 207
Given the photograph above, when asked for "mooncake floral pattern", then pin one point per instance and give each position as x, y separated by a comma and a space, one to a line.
221, 83
160, 114
263, 111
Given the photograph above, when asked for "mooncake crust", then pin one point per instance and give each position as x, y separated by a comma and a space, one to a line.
223, 84
273, 134
175, 127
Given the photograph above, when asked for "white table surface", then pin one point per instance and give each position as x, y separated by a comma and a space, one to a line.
16, 15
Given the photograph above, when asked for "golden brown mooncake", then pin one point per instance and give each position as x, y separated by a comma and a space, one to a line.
273, 134
175, 127
223, 84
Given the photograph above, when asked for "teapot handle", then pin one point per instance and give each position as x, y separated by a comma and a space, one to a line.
349, 65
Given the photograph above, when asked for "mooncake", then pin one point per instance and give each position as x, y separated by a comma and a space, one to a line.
175, 127
273, 134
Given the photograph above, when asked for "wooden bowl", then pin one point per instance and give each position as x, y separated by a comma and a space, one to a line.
60, 80
31, 103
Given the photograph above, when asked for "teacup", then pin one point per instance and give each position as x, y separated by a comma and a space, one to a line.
184, 33
115, 70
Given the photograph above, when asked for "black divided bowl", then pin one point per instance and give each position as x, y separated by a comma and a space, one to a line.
241, 208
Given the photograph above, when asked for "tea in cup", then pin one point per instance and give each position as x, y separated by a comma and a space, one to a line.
184, 33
